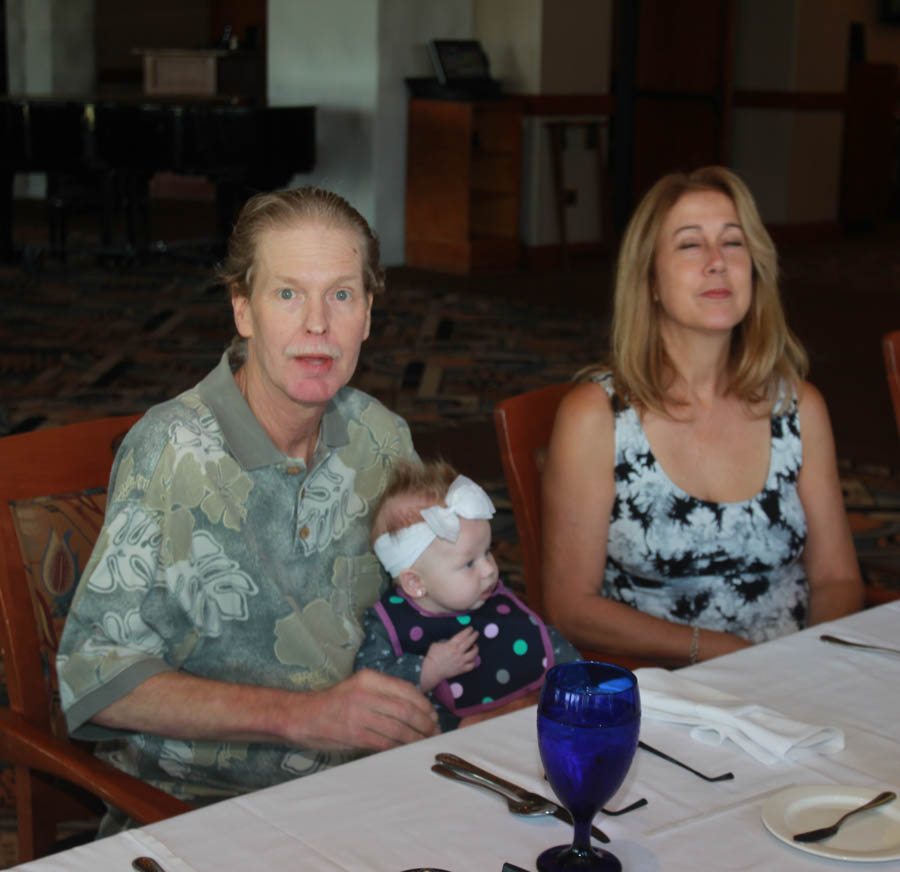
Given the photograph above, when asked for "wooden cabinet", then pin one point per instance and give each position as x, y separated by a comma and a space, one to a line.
463, 178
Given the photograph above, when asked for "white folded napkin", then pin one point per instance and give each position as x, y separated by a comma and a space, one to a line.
714, 716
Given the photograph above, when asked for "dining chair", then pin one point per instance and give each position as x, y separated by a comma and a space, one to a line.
890, 346
52, 500
524, 423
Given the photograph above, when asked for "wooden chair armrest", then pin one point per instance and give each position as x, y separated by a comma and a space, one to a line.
627, 661
23, 744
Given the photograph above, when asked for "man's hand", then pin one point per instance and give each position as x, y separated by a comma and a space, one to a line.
445, 659
368, 710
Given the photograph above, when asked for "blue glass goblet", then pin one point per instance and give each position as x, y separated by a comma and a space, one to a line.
589, 717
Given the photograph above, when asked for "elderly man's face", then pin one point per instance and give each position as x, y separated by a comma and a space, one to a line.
308, 312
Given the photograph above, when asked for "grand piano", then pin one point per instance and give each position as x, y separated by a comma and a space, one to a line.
117, 144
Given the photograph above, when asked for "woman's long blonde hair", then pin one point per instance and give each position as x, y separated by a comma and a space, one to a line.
765, 354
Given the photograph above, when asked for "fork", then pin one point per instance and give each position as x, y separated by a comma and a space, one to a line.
826, 832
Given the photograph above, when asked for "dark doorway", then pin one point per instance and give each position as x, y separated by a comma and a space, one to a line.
673, 88
4, 81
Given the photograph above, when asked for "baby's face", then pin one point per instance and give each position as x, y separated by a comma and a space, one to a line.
458, 576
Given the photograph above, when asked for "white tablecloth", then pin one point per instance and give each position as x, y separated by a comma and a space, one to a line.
389, 812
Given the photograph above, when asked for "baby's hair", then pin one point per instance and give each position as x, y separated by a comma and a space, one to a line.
412, 486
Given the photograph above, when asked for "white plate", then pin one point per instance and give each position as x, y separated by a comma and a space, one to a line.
870, 836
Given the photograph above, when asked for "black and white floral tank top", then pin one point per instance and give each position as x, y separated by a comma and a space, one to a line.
734, 567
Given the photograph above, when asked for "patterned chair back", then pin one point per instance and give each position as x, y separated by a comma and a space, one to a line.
890, 347
56, 535
52, 501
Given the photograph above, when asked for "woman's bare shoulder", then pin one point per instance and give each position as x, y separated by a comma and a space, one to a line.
584, 418
811, 406
586, 399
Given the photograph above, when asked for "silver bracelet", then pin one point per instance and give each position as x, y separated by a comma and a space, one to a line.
695, 645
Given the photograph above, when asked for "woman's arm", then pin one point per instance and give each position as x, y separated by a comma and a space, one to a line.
578, 493
831, 565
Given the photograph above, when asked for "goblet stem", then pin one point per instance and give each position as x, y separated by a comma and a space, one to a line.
581, 843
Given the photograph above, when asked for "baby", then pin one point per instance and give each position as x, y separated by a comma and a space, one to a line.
449, 625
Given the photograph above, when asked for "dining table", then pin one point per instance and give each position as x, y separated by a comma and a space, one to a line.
388, 812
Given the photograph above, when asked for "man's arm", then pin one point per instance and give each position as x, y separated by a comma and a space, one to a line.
367, 711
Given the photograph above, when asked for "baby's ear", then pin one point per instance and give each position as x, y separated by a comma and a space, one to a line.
410, 583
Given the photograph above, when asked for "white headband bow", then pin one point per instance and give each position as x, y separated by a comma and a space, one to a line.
465, 499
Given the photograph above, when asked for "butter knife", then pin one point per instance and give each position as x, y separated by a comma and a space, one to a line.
559, 812
146, 864
836, 640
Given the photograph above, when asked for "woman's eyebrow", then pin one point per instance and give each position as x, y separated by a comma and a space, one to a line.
727, 226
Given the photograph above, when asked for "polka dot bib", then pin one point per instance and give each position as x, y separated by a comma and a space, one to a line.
514, 648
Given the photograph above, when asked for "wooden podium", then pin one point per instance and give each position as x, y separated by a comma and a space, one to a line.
463, 178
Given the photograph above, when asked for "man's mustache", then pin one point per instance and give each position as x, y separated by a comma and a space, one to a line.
314, 351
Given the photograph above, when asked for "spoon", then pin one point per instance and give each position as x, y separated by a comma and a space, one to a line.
824, 832
526, 807
467, 770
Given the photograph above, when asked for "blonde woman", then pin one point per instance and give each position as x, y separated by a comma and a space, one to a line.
691, 500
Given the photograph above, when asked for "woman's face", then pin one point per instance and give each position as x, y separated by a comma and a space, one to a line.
308, 312
703, 273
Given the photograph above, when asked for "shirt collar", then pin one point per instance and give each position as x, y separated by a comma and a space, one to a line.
244, 435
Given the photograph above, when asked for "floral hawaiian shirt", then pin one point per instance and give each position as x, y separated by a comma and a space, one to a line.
224, 558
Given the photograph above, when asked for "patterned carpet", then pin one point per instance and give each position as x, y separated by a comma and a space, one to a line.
83, 342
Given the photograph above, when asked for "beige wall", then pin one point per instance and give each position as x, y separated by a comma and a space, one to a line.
551, 48
547, 46
791, 159
510, 32
821, 32
822, 38
764, 53
576, 46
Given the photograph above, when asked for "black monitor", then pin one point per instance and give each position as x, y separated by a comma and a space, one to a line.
459, 60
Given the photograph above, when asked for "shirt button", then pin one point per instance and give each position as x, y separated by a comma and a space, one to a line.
304, 532
293, 470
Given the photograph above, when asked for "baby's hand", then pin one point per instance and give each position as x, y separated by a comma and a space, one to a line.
445, 659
